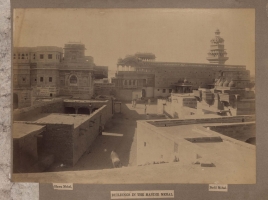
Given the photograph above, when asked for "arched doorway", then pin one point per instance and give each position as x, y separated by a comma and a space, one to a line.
15, 101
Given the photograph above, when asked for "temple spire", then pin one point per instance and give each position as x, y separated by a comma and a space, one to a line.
217, 53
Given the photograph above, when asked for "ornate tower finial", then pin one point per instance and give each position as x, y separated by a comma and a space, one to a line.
217, 32
217, 53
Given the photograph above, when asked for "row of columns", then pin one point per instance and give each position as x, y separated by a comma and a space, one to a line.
148, 60
130, 82
125, 68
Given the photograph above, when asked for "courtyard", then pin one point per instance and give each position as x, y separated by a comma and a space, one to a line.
119, 135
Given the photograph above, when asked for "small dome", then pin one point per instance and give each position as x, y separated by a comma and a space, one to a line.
232, 84
226, 83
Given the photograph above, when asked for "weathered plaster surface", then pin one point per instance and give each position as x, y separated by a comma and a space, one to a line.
8, 190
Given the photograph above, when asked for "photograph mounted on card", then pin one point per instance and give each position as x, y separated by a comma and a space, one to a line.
114, 96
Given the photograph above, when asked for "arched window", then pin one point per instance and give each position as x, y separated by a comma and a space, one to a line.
125, 82
73, 80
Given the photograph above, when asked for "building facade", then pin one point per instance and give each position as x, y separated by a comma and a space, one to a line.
48, 72
158, 79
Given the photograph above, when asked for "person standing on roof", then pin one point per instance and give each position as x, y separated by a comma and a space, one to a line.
145, 108
149, 102
135, 102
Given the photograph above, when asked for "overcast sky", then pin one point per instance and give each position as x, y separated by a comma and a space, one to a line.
175, 35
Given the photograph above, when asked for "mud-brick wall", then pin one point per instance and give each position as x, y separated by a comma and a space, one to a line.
25, 154
107, 112
85, 134
44, 107
58, 141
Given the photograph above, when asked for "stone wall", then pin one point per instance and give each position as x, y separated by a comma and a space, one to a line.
230, 119
174, 109
246, 107
104, 89
124, 95
66, 143
162, 92
81, 89
240, 132
86, 133
23, 114
58, 141
25, 154
21, 98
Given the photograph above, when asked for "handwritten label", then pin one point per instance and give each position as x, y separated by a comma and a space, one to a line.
63, 186
142, 194
218, 187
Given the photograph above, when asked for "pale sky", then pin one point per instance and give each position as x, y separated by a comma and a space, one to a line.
173, 35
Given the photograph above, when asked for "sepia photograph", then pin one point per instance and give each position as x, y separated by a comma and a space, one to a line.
114, 96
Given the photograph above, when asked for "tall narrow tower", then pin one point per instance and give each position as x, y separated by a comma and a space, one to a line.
217, 53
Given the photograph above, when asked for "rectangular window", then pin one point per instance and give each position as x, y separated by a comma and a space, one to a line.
41, 56
170, 90
49, 56
14, 56
41, 79
164, 90
50, 79
23, 79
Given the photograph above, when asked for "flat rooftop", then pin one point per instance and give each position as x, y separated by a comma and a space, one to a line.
85, 101
21, 129
229, 155
57, 118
